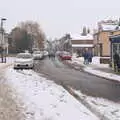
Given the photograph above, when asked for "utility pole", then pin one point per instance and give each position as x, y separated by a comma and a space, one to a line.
2, 50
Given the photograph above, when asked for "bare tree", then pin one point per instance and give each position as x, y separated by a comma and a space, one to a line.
36, 33
20, 39
27, 35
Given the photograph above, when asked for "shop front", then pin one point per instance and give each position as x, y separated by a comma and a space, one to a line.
115, 47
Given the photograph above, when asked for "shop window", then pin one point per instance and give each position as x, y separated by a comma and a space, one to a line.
115, 48
119, 49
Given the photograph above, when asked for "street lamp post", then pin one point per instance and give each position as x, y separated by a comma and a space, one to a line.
2, 41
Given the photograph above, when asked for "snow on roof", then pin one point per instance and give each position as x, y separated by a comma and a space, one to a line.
81, 37
108, 27
82, 45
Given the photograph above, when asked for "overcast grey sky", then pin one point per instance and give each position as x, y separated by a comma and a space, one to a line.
58, 17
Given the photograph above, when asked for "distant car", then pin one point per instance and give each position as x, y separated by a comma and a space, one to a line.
23, 61
65, 56
38, 55
45, 53
58, 53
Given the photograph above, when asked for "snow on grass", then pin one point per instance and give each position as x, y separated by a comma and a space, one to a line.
106, 108
44, 99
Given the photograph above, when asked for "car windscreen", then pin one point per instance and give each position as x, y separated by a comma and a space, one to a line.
37, 52
66, 54
25, 56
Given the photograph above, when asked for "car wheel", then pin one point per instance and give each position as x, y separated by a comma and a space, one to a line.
14, 68
32, 67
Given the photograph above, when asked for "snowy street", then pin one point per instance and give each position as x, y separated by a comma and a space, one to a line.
59, 60
88, 84
30, 95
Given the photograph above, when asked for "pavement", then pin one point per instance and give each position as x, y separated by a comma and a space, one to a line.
9, 61
4, 65
94, 65
94, 68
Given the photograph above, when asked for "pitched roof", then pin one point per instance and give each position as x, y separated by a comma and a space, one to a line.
81, 37
82, 45
109, 27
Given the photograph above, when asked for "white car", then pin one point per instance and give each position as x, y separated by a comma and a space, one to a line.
24, 61
58, 53
38, 55
45, 53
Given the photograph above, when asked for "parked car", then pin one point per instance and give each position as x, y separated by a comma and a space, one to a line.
65, 56
58, 53
45, 53
38, 55
24, 61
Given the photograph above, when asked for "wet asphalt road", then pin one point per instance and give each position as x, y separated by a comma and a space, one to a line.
86, 83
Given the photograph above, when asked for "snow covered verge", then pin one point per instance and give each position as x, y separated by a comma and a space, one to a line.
106, 108
9, 61
102, 74
94, 67
10, 109
43, 99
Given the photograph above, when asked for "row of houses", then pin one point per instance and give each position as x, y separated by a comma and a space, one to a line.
103, 42
100, 42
